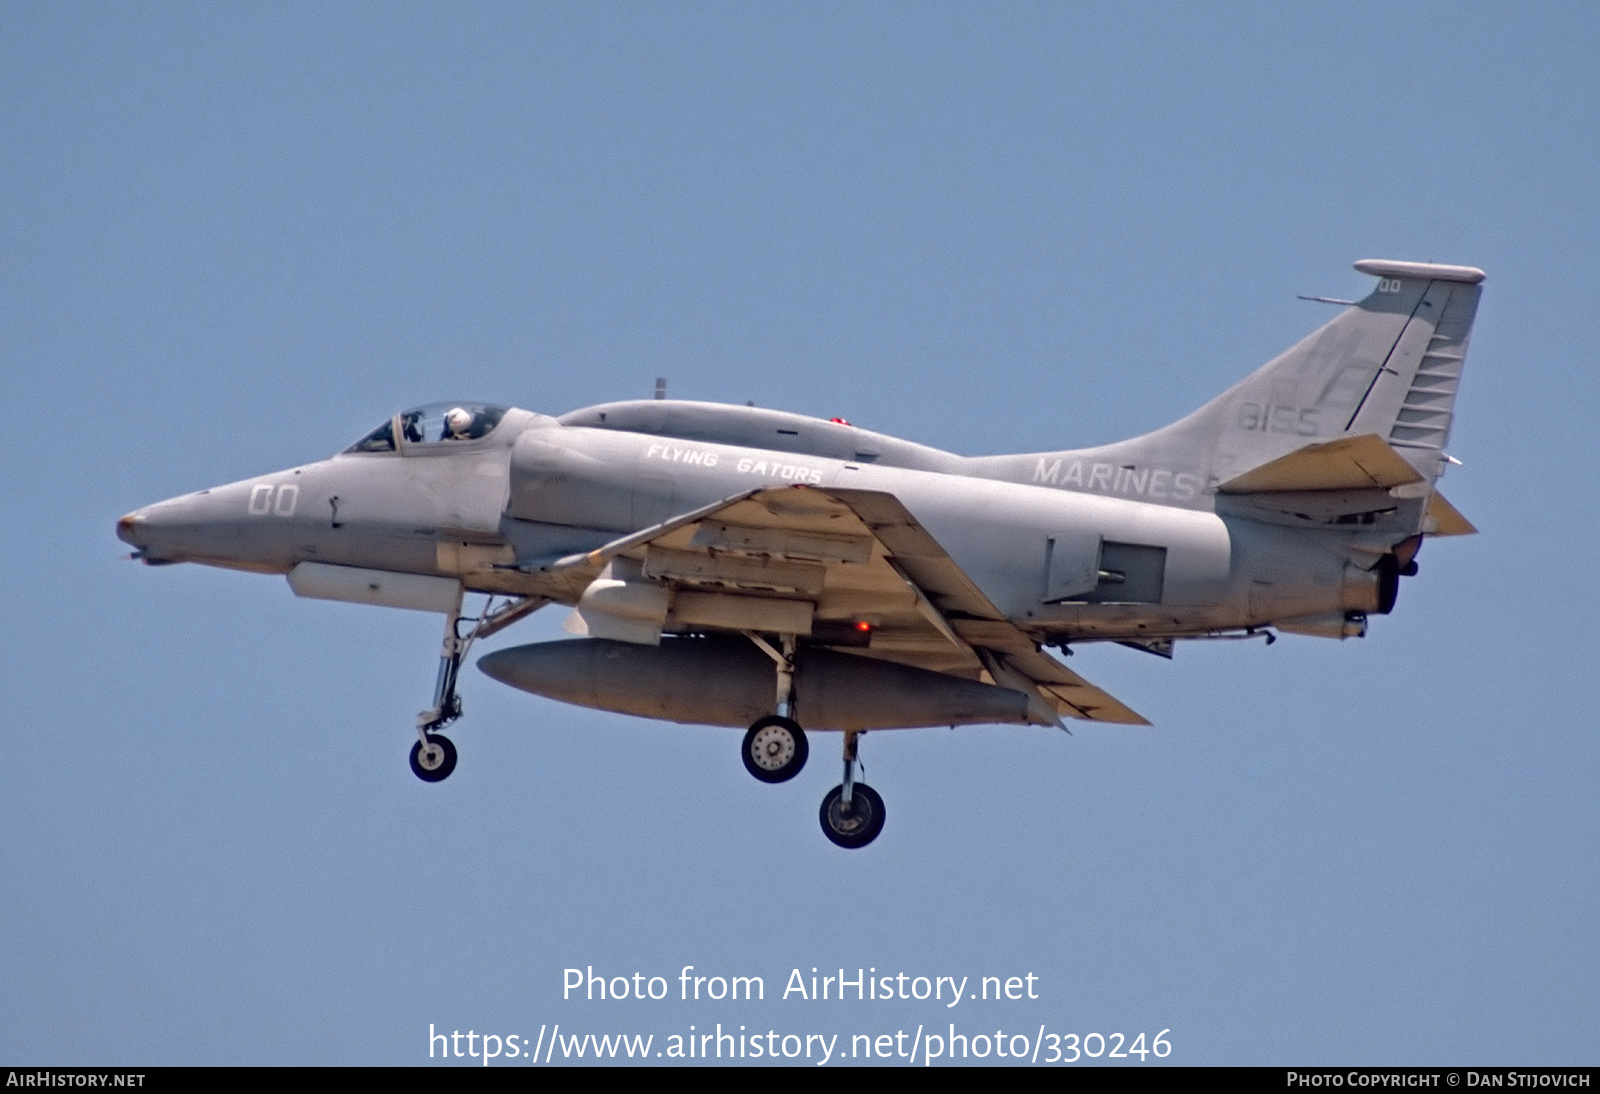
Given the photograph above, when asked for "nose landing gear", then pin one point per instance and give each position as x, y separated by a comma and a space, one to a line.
433, 757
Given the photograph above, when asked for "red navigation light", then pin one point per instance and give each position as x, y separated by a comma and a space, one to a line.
863, 626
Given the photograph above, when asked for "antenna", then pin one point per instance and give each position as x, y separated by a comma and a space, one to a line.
661, 387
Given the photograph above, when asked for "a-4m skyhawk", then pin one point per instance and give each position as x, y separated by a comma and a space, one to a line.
735, 566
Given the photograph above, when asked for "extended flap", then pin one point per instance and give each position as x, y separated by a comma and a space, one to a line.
1075, 697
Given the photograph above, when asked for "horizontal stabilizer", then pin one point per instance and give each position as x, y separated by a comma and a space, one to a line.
1350, 463
1445, 520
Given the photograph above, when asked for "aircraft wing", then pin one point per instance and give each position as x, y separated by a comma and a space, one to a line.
840, 565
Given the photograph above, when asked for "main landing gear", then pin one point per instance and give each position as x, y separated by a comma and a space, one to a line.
433, 757
775, 750
775, 747
852, 813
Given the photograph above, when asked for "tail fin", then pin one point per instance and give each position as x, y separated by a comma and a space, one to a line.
1411, 400
1389, 365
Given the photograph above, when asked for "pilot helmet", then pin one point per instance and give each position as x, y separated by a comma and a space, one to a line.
459, 421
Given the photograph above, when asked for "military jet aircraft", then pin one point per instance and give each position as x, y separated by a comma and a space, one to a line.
735, 566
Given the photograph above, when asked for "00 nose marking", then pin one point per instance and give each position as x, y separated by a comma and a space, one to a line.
277, 500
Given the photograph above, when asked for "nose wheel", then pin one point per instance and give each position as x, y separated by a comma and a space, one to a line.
433, 758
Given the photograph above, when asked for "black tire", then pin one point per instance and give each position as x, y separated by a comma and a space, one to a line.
775, 749
863, 824
439, 767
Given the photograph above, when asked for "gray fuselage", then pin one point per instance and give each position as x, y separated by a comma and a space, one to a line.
490, 510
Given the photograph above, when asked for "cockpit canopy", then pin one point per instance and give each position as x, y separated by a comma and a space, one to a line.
436, 423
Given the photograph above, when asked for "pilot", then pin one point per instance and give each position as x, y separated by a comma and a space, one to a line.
458, 424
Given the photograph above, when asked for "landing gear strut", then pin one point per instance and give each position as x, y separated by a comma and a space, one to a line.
775, 750
775, 747
852, 813
433, 757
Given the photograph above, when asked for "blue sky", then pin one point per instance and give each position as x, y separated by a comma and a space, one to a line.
233, 239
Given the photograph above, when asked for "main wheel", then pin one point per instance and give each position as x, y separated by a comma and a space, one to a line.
775, 749
861, 825
434, 763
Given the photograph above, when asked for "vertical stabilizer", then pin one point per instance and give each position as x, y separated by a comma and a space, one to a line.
1411, 401
1388, 365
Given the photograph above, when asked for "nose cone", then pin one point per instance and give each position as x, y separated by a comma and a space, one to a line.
149, 531
129, 527
249, 525
191, 528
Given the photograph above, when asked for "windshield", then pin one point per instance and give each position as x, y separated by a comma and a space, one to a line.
436, 423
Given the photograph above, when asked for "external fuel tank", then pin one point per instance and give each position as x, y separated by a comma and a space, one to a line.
729, 682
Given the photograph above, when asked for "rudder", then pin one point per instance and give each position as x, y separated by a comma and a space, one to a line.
1411, 400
